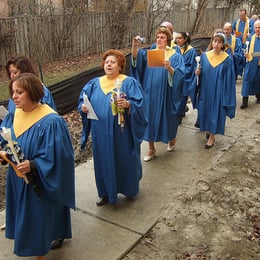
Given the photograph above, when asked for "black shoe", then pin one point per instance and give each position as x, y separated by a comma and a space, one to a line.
55, 244
243, 106
258, 100
102, 201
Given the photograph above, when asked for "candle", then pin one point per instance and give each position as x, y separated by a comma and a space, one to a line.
118, 85
197, 58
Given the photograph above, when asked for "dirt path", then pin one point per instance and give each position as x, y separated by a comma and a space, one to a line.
217, 214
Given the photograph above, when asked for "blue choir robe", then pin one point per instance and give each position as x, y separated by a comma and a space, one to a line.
116, 151
251, 80
34, 222
189, 56
162, 93
238, 54
242, 29
217, 95
46, 99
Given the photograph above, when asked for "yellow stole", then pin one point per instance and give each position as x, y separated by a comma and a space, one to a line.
169, 52
107, 85
233, 43
246, 29
188, 48
215, 59
251, 48
24, 120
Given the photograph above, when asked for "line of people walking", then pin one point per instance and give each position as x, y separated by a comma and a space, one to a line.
119, 112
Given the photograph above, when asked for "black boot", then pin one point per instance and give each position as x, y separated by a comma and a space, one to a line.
244, 103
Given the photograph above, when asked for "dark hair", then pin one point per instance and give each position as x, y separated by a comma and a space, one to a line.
167, 32
242, 10
121, 60
22, 63
187, 38
29, 83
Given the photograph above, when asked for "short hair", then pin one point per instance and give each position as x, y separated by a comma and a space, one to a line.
121, 59
167, 32
222, 38
242, 10
29, 83
22, 63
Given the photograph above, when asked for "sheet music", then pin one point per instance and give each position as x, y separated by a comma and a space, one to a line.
91, 112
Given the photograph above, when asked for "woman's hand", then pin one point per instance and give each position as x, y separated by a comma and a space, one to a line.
84, 108
197, 72
122, 103
167, 65
24, 167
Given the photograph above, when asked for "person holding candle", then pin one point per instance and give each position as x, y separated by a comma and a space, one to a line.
251, 80
163, 86
118, 102
217, 90
35, 219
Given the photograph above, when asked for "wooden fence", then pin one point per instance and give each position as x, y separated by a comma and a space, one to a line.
49, 38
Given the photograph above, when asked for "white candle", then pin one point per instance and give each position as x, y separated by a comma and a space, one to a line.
118, 85
197, 58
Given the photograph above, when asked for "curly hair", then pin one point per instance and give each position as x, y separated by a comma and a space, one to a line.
167, 32
121, 60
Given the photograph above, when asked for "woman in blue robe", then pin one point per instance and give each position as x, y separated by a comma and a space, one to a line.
217, 92
117, 134
21, 64
251, 81
189, 54
39, 212
162, 91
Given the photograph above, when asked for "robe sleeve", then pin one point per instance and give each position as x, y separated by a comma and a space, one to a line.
54, 159
137, 116
177, 62
229, 89
138, 66
86, 123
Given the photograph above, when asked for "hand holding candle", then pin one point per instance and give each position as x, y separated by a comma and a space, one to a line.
120, 116
6, 134
197, 58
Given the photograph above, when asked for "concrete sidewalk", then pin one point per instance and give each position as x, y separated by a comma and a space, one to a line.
110, 231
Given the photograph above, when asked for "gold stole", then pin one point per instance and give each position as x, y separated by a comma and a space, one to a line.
233, 43
188, 48
251, 48
24, 120
246, 29
107, 85
169, 52
214, 59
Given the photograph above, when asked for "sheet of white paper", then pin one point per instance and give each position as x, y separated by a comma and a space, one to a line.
91, 112
3, 112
